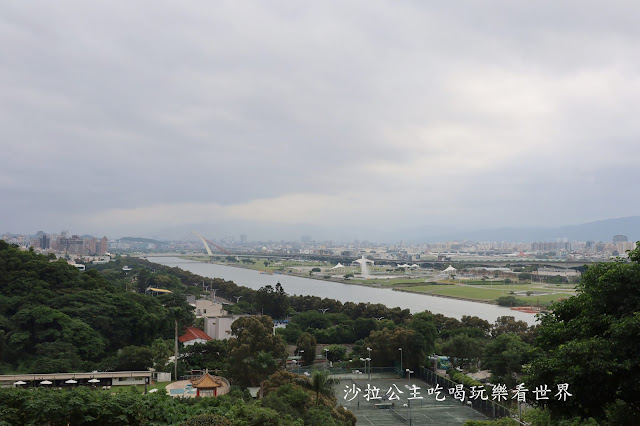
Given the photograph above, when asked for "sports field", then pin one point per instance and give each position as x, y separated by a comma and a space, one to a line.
400, 403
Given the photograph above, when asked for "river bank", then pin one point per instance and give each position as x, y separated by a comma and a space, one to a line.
343, 292
399, 287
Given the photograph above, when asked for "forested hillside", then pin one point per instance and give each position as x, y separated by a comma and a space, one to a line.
54, 318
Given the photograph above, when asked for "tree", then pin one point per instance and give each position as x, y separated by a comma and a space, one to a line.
272, 301
462, 350
423, 324
254, 352
212, 355
385, 344
311, 319
133, 358
290, 333
504, 357
590, 341
336, 353
476, 322
307, 343
320, 382
161, 350
525, 276
508, 324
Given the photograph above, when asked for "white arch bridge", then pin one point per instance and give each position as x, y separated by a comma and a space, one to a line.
206, 243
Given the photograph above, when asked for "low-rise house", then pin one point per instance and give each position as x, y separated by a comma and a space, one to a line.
194, 335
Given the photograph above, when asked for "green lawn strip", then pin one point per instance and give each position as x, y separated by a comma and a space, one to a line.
484, 294
470, 292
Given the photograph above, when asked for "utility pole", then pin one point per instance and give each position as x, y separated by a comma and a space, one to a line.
175, 361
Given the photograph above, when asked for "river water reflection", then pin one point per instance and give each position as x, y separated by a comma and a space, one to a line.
346, 292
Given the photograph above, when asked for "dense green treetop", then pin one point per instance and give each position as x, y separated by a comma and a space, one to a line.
254, 351
591, 342
54, 318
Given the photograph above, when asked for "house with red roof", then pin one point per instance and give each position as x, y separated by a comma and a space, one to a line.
193, 335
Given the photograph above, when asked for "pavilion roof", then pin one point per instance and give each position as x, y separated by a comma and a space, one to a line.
207, 381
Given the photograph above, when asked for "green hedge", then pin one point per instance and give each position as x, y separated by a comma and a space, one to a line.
462, 378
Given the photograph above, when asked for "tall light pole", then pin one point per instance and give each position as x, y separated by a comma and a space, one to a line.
400, 349
214, 290
323, 310
369, 349
365, 365
237, 299
409, 371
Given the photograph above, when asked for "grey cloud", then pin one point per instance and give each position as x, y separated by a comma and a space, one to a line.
455, 105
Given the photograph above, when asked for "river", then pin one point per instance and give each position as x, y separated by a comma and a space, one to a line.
347, 292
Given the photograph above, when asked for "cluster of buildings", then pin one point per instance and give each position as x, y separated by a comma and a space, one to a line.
62, 243
86, 245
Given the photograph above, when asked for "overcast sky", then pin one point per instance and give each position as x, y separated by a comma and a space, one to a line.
120, 117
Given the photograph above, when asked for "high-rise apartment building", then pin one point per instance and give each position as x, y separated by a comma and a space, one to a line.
73, 245
104, 245
44, 242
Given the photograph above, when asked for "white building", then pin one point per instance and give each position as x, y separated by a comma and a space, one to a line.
219, 328
206, 308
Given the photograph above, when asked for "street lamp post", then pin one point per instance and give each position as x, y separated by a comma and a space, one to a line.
237, 299
409, 371
400, 349
369, 350
365, 365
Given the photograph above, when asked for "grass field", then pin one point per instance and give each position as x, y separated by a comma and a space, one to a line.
487, 294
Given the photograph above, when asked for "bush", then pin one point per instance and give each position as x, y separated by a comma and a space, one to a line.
511, 301
462, 378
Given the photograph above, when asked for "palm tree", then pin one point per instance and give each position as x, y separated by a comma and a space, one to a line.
321, 383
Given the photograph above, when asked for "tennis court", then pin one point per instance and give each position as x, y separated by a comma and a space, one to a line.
400, 401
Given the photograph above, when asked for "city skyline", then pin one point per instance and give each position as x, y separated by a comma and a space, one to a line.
139, 119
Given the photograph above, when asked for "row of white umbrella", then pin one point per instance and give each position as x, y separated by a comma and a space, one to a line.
47, 382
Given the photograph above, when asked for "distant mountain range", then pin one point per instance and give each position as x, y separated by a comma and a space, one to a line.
601, 230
